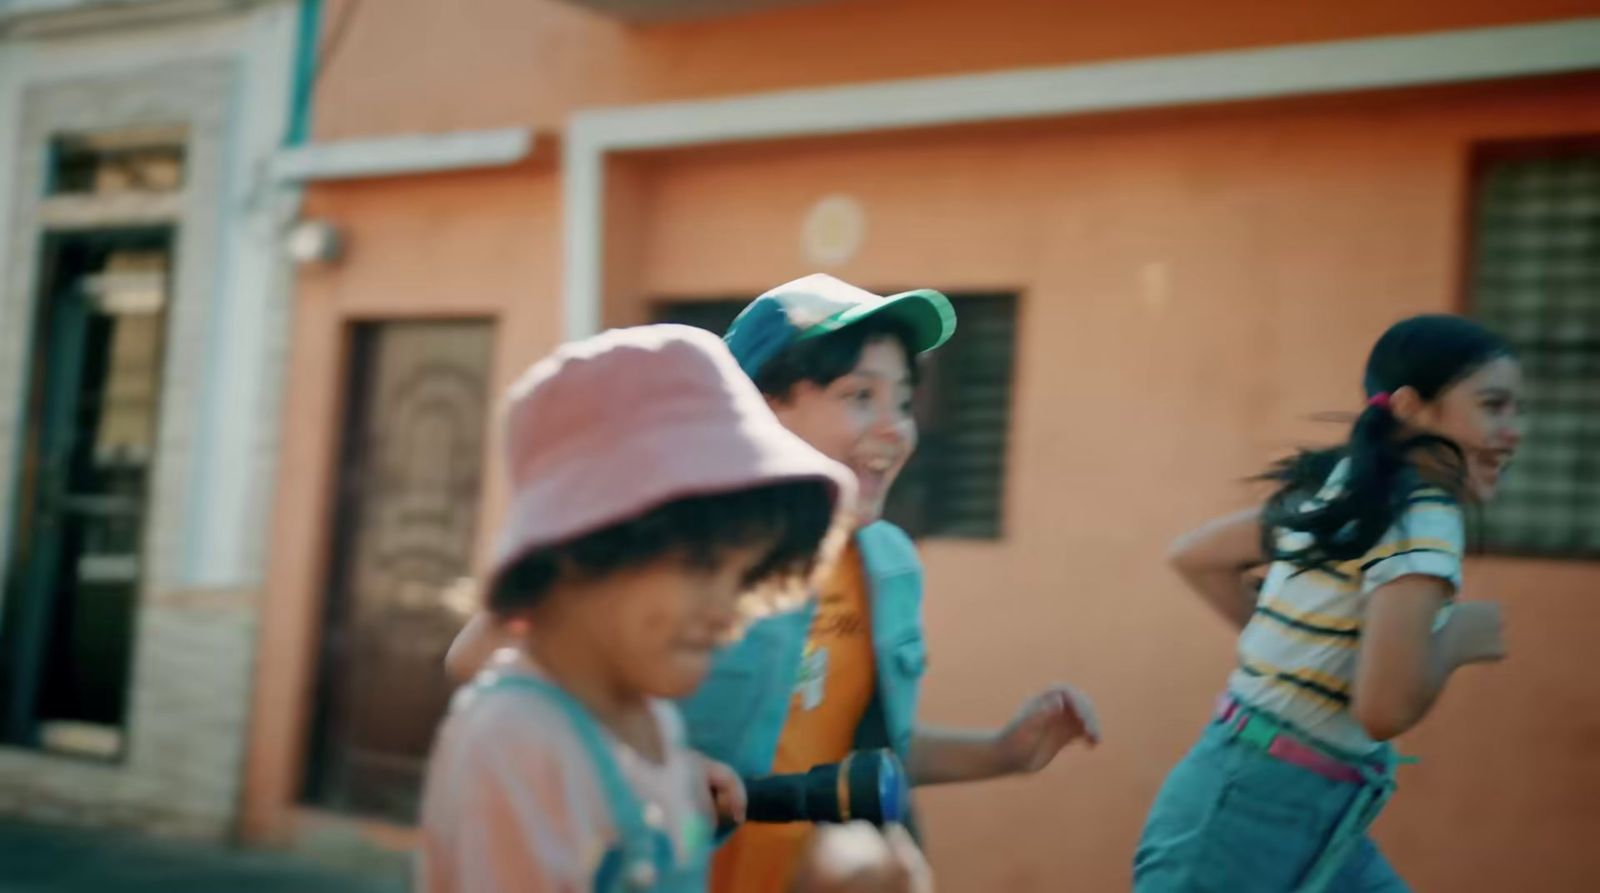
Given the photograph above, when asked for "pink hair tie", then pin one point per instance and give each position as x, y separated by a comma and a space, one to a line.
1379, 400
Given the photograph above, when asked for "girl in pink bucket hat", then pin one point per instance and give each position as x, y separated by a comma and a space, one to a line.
652, 491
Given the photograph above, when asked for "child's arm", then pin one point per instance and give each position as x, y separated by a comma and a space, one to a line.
1046, 723
482, 636
1215, 559
1404, 664
1407, 578
858, 858
728, 796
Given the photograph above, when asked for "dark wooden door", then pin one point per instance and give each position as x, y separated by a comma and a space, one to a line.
409, 482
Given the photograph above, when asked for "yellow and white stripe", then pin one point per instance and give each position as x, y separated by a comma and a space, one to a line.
1297, 656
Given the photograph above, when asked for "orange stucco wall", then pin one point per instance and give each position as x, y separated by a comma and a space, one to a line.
1193, 283
419, 65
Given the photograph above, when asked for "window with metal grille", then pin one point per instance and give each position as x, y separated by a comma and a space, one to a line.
1535, 278
954, 485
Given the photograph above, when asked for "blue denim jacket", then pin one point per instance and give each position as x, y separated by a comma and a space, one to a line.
738, 714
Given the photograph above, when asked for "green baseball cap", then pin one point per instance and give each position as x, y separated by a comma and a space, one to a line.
816, 305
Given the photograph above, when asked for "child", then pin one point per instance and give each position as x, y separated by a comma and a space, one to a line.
1354, 631
838, 364
651, 488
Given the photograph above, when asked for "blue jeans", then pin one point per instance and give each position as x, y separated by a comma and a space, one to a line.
1231, 819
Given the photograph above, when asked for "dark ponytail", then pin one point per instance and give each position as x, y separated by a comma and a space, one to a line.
1427, 353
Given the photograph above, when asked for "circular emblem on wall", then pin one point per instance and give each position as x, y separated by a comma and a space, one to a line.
833, 231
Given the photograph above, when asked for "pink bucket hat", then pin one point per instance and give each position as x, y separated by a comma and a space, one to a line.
611, 427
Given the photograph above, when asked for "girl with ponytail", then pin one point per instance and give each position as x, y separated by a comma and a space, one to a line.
1353, 631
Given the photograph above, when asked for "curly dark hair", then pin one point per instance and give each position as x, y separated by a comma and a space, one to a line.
788, 520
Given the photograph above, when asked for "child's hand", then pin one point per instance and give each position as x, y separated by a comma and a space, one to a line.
856, 858
1475, 633
727, 791
1048, 722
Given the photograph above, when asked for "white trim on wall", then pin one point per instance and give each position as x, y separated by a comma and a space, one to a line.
421, 153
58, 18
1284, 71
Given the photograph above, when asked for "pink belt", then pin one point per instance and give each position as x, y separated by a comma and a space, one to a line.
1279, 742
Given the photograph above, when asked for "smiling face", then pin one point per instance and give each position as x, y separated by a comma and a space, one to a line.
1481, 414
861, 419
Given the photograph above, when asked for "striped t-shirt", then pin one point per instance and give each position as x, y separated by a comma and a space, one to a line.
1297, 656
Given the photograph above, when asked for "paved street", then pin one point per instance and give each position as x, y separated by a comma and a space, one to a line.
34, 859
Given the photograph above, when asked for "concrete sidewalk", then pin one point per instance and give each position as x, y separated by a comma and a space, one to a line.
37, 859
